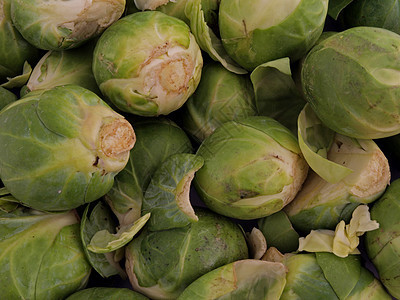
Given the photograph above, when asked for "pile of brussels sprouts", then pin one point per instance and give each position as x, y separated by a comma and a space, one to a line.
199, 149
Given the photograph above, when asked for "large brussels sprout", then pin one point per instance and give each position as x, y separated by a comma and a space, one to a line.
255, 32
41, 255
14, 49
243, 279
161, 264
157, 139
326, 276
56, 68
383, 245
351, 80
220, 97
151, 70
253, 168
55, 25
378, 13
322, 204
62, 147
107, 293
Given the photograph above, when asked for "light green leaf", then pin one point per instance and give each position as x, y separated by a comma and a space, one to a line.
19, 80
315, 140
104, 241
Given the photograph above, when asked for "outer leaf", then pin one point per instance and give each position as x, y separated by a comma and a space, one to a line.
276, 93
315, 140
19, 80
167, 197
99, 218
207, 39
336, 6
103, 241
6, 97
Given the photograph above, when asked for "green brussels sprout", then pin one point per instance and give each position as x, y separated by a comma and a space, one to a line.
6, 97
56, 68
220, 97
383, 245
56, 25
322, 204
151, 70
161, 264
326, 276
255, 32
378, 13
252, 168
41, 255
157, 139
352, 82
175, 9
62, 147
14, 50
105, 293
243, 279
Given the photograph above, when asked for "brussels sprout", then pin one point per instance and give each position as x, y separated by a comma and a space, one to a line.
326, 276
41, 255
336, 6
252, 168
378, 13
255, 32
175, 9
107, 293
56, 25
157, 139
149, 4
6, 97
221, 96
62, 147
383, 245
352, 82
243, 279
64, 67
167, 196
321, 204
151, 70
161, 264
14, 50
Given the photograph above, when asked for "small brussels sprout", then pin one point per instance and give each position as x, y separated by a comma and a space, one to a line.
255, 32
56, 68
61, 148
41, 255
161, 264
14, 49
157, 139
151, 70
383, 245
243, 279
107, 293
220, 97
322, 204
252, 168
352, 82
378, 13
56, 25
